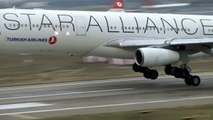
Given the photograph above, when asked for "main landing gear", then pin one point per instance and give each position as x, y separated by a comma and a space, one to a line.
148, 73
183, 73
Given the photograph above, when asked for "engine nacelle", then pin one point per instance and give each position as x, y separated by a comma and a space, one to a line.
148, 57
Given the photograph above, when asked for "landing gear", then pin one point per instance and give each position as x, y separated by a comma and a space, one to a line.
151, 74
148, 73
183, 73
192, 80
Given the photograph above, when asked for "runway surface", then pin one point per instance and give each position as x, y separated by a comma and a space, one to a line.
100, 96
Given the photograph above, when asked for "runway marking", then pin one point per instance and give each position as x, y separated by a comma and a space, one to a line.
22, 105
88, 82
109, 105
68, 93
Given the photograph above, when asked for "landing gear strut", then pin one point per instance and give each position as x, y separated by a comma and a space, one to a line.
183, 73
148, 73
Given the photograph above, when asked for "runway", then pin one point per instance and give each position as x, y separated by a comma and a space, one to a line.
100, 96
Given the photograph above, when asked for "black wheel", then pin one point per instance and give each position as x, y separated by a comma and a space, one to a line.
135, 67
196, 81
184, 73
177, 72
168, 70
147, 74
188, 80
153, 74
192, 80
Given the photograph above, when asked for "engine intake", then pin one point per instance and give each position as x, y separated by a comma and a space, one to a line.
148, 57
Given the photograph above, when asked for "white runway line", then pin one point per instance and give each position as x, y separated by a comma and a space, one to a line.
68, 93
110, 105
22, 105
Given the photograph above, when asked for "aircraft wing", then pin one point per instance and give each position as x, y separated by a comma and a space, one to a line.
145, 42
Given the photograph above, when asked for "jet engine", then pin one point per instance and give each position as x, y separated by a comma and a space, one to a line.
148, 57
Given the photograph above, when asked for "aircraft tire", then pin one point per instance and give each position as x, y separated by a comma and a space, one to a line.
188, 80
153, 74
135, 68
196, 81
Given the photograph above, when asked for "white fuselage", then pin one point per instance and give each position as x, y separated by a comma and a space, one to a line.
85, 33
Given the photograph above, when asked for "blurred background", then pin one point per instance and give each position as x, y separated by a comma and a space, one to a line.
195, 5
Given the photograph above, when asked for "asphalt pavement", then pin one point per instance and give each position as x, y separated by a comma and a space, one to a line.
101, 96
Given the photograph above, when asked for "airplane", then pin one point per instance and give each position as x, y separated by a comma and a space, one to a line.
152, 39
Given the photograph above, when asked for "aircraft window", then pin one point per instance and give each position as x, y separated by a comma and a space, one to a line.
14, 25
153, 28
171, 29
143, 28
212, 30
37, 25
56, 26
10, 25
33, 25
167, 29
161, 29
189, 30
25, 25
129, 28
125, 28
133, 28
111, 27
22, 25
115, 27
67, 26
